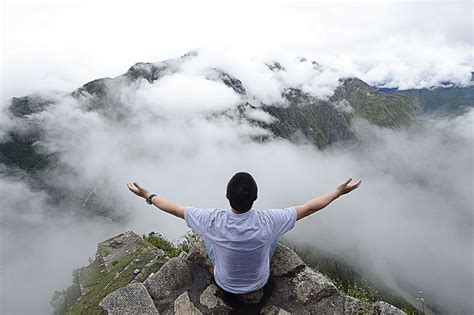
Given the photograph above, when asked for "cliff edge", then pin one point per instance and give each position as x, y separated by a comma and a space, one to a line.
132, 276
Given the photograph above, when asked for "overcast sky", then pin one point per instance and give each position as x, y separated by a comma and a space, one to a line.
51, 44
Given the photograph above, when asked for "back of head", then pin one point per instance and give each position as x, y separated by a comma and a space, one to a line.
242, 191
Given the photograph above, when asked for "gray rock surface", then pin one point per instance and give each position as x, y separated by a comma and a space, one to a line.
209, 299
355, 306
131, 299
383, 308
118, 247
311, 286
185, 285
285, 261
184, 306
198, 255
170, 281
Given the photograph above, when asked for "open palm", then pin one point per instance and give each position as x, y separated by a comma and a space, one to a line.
345, 187
138, 190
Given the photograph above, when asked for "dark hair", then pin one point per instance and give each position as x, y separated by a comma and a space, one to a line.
242, 191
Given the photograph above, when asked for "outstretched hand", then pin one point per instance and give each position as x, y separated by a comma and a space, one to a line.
138, 190
345, 187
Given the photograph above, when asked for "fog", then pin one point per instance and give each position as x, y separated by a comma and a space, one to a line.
411, 220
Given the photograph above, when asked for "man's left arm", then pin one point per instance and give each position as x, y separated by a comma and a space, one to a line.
161, 203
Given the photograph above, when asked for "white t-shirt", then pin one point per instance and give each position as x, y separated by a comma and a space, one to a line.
241, 243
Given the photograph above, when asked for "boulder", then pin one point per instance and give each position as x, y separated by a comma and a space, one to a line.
170, 281
160, 253
312, 286
184, 306
355, 306
118, 247
198, 255
214, 303
285, 261
131, 299
383, 308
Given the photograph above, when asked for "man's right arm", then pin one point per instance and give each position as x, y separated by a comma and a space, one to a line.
321, 202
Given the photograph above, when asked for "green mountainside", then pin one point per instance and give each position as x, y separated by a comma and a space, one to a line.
451, 100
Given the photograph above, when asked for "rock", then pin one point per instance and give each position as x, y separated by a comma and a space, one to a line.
170, 281
253, 297
312, 286
185, 285
183, 255
383, 308
184, 306
159, 253
131, 299
208, 298
198, 255
273, 310
354, 306
118, 247
303, 288
285, 261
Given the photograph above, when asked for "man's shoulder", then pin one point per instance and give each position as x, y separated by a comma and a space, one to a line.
203, 211
278, 213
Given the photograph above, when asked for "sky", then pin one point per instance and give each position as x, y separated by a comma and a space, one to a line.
411, 218
60, 45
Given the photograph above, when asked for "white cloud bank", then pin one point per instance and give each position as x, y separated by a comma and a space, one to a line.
60, 45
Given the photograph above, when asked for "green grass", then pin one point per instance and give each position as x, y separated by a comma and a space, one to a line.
158, 241
99, 283
89, 274
107, 282
103, 250
387, 111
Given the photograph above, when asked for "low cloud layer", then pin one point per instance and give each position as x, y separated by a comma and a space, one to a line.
411, 221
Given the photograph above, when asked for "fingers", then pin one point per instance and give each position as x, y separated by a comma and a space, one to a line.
132, 187
356, 185
136, 184
347, 181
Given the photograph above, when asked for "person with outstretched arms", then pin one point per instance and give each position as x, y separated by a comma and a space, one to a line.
240, 241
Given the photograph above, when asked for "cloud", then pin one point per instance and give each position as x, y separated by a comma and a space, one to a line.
185, 94
354, 36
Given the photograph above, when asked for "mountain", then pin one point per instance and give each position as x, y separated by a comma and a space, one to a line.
301, 117
131, 274
446, 100
322, 122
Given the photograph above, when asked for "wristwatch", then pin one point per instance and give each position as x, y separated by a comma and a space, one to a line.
148, 200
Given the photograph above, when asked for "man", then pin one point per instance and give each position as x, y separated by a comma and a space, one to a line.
240, 242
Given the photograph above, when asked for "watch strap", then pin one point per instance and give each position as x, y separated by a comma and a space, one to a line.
148, 200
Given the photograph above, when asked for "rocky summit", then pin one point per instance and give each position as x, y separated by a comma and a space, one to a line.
132, 276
